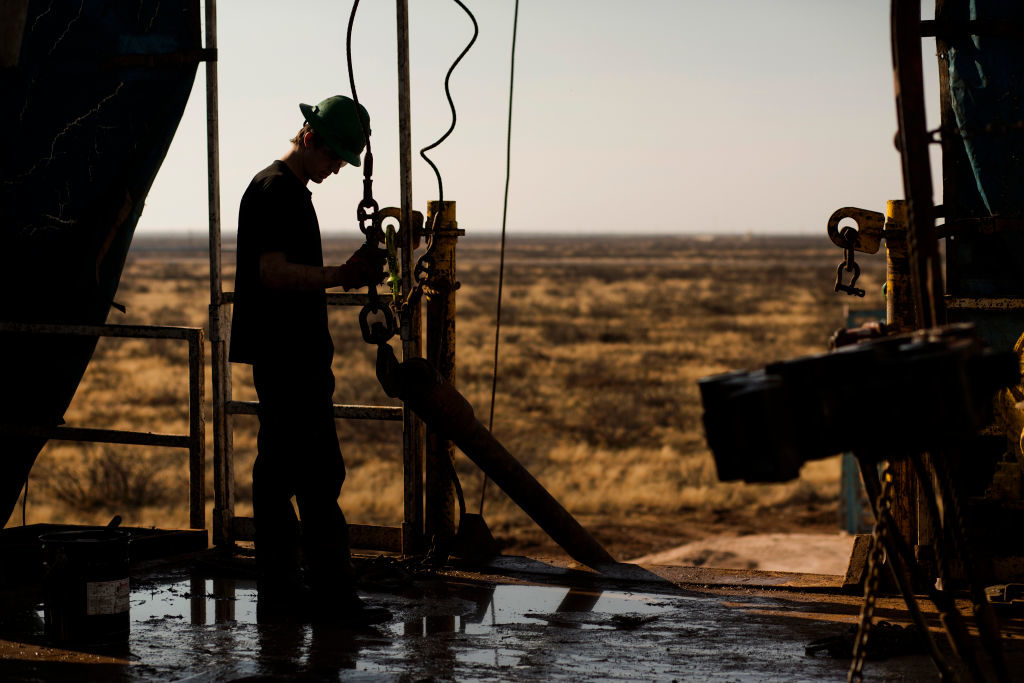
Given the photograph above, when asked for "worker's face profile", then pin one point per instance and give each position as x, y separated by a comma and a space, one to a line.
323, 163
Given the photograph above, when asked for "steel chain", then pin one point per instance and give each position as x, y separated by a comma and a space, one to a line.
848, 264
368, 209
876, 558
368, 215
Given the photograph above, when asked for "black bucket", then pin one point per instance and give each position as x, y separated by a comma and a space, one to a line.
86, 587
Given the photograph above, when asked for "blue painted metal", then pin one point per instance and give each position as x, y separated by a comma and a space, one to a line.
87, 113
986, 81
986, 91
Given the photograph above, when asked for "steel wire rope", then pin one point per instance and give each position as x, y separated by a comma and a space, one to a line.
451, 105
351, 74
504, 217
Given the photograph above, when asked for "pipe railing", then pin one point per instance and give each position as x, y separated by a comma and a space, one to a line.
194, 440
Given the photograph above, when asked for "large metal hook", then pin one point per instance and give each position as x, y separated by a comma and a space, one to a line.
866, 238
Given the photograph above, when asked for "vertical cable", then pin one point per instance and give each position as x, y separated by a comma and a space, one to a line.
451, 103
352, 77
504, 217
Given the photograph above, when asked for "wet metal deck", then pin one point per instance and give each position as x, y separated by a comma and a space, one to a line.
521, 619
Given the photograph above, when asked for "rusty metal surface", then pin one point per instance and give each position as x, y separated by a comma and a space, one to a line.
899, 294
974, 303
866, 237
913, 138
900, 318
439, 292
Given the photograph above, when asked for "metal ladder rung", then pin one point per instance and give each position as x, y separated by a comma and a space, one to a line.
333, 298
362, 536
346, 412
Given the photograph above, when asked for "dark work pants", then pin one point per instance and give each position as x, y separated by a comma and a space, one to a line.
298, 455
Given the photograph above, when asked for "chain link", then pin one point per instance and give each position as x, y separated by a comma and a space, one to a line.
367, 213
848, 236
876, 559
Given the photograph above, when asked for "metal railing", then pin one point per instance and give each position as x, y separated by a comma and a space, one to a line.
194, 441
238, 528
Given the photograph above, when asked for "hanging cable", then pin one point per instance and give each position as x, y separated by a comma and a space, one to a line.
451, 103
367, 210
504, 217
351, 74
368, 215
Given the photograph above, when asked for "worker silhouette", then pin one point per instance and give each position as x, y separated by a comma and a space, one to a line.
279, 326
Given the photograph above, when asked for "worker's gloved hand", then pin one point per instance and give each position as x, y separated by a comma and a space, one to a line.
365, 267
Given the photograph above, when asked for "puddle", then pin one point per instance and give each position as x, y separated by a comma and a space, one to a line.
472, 609
540, 605
487, 612
476, 615
207, 629
200, 602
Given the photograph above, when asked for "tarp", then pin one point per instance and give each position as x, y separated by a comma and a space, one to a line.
986, 81
91, 93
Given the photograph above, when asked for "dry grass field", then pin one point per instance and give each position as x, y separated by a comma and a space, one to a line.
603, 341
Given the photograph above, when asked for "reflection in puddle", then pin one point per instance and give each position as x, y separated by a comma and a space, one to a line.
505, 605
542, 606
197, 601
452, 625
471, 609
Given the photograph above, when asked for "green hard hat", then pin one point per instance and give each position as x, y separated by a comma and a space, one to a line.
334, 120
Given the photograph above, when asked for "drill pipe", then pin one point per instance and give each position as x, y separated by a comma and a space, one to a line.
441, 406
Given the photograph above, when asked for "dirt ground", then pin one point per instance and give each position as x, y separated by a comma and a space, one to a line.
643, 534
603, 340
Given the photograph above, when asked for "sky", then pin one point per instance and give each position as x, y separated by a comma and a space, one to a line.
647, 116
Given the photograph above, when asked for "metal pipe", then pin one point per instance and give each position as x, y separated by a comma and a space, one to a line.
439, 292
213, 153
91, 435
196, 433
899, 296
341, 411
412, 428
926, 276
223, 468
900, 317
131, 331
442, 407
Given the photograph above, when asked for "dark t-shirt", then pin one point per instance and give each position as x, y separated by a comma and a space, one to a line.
276, 325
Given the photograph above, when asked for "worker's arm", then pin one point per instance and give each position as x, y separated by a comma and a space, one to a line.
277, 272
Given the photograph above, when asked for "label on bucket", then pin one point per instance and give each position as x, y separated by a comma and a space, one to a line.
106, 597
